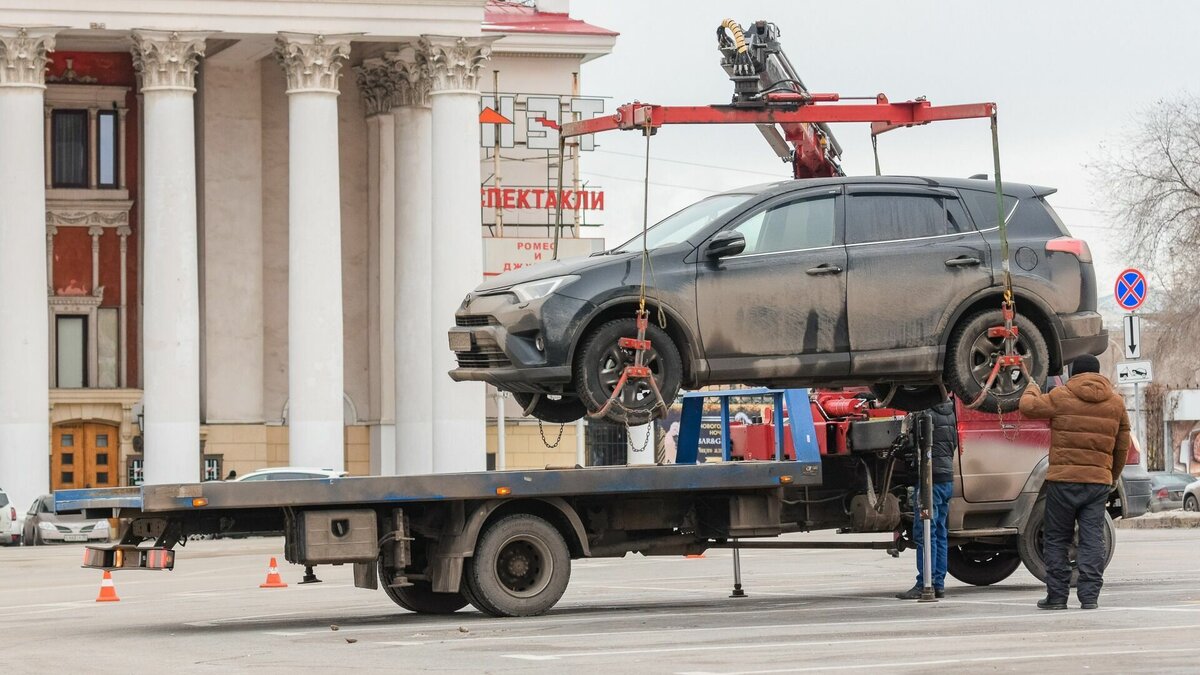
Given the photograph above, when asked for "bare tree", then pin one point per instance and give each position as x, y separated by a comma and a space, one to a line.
1152, 179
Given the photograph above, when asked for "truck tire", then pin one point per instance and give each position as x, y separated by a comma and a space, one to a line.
969, 360
909, 398
420, 597
521, 567
600, 364
552, 407
980, 567
1029, 544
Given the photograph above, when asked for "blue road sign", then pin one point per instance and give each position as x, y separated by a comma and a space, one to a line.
1130, 289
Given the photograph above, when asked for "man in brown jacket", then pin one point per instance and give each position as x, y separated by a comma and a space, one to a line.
1089, 438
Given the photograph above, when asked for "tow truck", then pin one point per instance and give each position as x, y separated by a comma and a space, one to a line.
503, 541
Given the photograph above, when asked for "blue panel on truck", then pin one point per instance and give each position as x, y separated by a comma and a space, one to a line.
98, 498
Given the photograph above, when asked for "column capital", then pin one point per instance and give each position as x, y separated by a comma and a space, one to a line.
412, 88
377, 83
166, 59
312, 61
24, 54
452, 63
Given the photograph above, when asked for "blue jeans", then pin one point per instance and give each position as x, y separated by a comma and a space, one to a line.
941, 514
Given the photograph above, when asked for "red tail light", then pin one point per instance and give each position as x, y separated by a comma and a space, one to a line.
12, 511
1161, 494
1133, 456
1076, 247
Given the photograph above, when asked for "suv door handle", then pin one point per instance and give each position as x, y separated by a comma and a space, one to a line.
824, 268
963, 261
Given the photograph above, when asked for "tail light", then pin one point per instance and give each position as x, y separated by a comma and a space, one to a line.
1076, 247
1133, 456
1161, 494
12, 513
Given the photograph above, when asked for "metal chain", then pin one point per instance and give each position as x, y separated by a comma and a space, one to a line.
542, 431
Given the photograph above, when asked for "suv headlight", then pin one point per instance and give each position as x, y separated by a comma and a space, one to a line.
533, 290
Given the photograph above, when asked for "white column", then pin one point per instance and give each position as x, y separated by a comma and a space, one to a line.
453, 63
413, 250
312, 64
166, 62
376, 85
24, 348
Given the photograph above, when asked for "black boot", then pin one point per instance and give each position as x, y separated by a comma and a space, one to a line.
913, 593
1048, 603
1089, 604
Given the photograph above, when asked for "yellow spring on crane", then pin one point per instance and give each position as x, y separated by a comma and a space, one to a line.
739, 40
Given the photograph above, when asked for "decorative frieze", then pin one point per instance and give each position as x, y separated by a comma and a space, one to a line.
70, 213
312, 62
453, 63
167, 60
24, 53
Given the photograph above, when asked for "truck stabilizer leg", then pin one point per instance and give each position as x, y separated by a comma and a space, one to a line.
737, 573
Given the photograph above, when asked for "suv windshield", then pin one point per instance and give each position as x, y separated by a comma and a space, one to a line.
683, 224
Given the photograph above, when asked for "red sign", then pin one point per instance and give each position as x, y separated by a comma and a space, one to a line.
541, 198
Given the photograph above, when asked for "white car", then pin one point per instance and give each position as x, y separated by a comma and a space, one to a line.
1191, 497
289, 473
10, 525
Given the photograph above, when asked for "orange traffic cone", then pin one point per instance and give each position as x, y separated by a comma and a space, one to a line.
273, 578
108, 592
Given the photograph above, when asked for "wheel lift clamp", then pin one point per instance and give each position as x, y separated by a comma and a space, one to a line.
793, 108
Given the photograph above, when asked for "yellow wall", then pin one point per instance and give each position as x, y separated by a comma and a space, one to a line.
524, 449
249, 447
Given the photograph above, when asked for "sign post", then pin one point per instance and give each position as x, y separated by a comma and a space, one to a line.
1130, 292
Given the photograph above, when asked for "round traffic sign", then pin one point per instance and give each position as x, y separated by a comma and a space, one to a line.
1130, 289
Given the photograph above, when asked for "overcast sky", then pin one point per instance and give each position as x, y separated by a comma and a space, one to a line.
1067, 76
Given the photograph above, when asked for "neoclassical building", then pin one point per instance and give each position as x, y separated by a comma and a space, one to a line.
234, 234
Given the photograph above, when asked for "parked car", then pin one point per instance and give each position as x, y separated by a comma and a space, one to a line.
288, 473
1167, 489
43, 525
890, 281
9, 534
1191, 497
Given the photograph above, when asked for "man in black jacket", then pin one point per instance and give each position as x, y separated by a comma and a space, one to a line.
945, 442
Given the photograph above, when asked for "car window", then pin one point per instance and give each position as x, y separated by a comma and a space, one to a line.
33, 508
293, 475
956, 216
680, 226
882, 217
983, 207
3, 499
255, 477
47, 505
808, 223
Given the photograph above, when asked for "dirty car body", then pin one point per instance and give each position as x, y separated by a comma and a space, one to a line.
841, 281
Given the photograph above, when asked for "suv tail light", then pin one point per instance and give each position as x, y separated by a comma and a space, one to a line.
12, 513
1076, 247
1133, 456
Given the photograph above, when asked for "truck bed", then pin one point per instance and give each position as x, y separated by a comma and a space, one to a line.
615, 480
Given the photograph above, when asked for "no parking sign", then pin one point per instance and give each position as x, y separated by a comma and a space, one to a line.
1130, 289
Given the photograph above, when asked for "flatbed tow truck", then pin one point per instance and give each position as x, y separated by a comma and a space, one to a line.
503, 541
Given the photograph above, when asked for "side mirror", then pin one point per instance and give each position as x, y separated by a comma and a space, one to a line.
725, 243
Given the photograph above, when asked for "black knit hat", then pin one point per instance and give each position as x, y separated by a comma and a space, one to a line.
1085, 364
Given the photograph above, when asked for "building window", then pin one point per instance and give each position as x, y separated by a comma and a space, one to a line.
106, 149
69, 136
71, 342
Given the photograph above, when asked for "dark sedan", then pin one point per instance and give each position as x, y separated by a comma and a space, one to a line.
888, 281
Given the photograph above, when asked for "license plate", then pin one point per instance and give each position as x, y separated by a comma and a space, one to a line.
74, 537
460, 341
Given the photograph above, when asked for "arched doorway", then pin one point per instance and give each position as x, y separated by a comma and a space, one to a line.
85, 454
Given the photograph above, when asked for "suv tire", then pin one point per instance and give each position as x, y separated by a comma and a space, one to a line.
557, 410
980, 567
601, 361
968, 361
1029, 544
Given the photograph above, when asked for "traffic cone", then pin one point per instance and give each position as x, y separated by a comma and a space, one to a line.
108, 592
273, 578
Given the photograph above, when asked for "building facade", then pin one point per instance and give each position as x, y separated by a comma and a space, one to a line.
235, 238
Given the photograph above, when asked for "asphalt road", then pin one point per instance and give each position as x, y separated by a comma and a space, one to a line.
807, 611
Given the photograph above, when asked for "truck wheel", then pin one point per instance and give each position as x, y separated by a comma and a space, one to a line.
552, 408
970, 354
420, 597
979, 566
1029, 544
521, 567
602, 360
909, 398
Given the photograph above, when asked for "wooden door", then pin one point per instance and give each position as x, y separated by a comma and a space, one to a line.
85, 455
